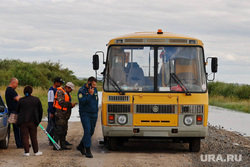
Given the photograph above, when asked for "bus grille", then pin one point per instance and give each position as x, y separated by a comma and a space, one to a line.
119, 108
118, 98
192, 109
162, 109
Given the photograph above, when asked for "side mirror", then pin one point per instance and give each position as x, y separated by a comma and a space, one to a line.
95, 62
214, 65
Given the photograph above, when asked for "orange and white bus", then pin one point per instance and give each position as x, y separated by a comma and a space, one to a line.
155, 86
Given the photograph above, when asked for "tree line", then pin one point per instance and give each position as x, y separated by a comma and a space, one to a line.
231, 90
35, 74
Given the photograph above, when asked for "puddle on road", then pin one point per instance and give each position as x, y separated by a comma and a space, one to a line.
229, 120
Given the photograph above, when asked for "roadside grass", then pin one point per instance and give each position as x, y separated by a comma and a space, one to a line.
232, 103
37, 91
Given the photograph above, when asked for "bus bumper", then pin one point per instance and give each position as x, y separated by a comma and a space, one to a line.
195, 131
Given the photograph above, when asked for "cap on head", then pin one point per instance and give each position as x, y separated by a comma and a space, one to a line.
58, 79
70, 85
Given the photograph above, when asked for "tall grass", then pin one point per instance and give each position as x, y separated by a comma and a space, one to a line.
230, 90
230, 103
37, 91
231, 96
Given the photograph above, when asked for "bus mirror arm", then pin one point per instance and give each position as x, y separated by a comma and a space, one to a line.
102, 54
96, 61
104, 71
214, 66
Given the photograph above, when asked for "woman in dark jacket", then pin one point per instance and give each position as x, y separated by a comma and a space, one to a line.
30, 113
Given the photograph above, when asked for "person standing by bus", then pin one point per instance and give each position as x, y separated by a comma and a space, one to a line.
51, 110
12, 99
30, 112
63, 105
88, 110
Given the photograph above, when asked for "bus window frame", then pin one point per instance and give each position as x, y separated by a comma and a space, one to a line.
155, 46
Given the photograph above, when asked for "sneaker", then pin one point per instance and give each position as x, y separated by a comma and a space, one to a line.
26, 154
38, 153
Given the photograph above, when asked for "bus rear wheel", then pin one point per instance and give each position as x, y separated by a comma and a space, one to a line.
194, 145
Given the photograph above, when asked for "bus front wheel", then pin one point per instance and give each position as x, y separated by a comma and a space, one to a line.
113, 143
194, 145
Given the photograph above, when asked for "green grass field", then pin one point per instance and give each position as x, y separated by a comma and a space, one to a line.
230, 103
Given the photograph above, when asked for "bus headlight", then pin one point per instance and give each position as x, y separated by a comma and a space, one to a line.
122, 119
188, 120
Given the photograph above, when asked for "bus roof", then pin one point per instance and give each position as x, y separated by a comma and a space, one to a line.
155, 38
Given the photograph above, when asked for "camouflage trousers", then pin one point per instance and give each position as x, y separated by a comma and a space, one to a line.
61, 127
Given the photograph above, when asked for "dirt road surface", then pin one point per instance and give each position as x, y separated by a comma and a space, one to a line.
133, 154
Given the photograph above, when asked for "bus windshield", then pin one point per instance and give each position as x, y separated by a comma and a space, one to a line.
155, 69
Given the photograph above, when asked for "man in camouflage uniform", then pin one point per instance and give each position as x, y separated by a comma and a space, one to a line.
63, 105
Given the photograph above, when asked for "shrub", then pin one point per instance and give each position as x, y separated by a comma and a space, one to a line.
229, 90
35, 74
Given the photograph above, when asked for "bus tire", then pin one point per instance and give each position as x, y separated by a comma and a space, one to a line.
195, 145
113, 143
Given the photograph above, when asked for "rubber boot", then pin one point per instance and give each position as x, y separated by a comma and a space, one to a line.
56, 139
88, 153
67, 143
62, 143
81, 148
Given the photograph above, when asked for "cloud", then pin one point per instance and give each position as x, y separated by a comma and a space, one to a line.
73, 30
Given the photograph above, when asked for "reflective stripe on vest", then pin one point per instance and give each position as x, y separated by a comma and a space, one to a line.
66, 99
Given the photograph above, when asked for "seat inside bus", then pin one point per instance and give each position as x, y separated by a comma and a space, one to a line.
136, 75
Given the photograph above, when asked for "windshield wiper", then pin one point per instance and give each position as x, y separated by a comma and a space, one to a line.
114, 84
177, 80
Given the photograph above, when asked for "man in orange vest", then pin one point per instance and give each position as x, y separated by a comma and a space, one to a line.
63, 105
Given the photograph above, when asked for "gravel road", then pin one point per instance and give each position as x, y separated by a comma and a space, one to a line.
215, 148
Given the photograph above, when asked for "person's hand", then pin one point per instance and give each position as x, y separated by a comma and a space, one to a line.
73, 105
51, 115
91, 90
17, 97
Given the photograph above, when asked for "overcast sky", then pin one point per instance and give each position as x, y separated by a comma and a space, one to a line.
71, 31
